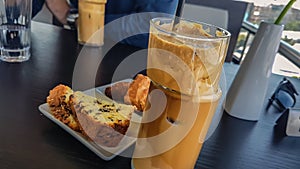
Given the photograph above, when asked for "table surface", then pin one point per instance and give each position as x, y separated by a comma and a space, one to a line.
30, 140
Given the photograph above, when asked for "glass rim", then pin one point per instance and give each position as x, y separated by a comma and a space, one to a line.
226, 33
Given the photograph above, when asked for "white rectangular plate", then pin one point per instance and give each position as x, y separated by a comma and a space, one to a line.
106, 153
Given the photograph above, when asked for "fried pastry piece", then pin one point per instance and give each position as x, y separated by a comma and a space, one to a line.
103, 121
138, 91
58, 102
117, 91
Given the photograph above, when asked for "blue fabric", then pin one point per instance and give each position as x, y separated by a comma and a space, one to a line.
118, 8
125, 7
37, 6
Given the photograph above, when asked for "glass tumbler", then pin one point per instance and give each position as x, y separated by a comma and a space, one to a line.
185, 60
15, 23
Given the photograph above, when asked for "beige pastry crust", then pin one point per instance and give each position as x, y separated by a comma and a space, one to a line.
58, 102
103, 121
138, 91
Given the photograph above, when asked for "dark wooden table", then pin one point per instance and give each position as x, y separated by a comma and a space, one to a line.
31, 141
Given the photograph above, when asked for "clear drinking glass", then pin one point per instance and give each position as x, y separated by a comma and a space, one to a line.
15, 23
91, 22
185, 61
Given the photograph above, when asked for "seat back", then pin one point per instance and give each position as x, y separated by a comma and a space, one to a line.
227, 14
204, 14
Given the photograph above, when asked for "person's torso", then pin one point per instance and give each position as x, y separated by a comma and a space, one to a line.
132, 6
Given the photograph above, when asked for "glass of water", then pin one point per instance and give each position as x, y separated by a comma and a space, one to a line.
15, 23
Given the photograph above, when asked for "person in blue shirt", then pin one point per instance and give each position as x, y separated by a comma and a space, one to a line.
123, 10
37, 6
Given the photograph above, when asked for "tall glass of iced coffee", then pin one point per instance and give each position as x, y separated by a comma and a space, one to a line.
91, 22
185, 61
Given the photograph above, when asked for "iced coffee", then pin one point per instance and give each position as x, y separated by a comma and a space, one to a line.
184, 63
91, 22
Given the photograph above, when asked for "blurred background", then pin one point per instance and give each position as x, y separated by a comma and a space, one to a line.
227, 14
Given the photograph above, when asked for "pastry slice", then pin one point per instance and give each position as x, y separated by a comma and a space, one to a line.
117, 91
105, 122
58, 102
138, 92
